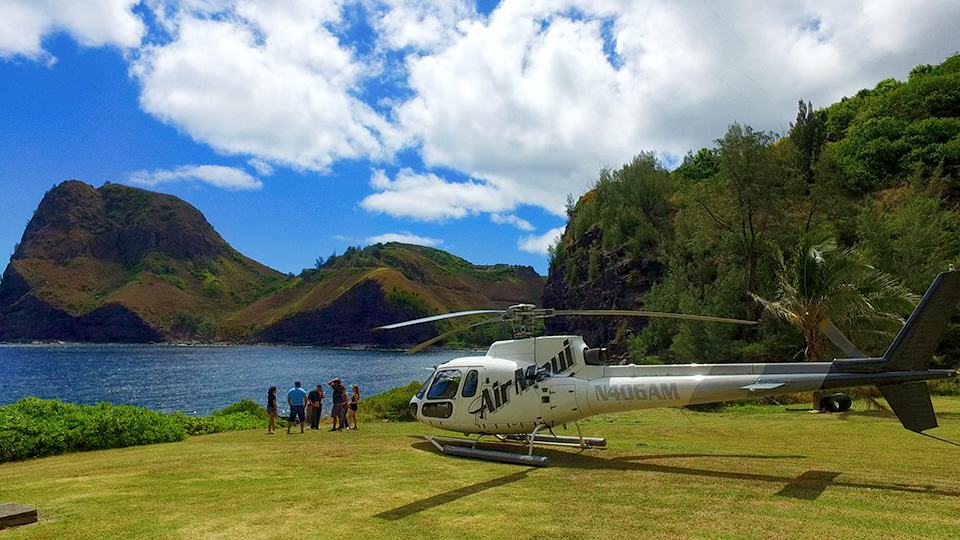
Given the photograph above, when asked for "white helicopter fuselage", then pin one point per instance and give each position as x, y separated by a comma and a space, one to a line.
549, 381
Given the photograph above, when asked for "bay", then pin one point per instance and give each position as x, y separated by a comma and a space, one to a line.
198, 379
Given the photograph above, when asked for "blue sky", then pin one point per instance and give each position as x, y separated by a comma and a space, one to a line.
302, 127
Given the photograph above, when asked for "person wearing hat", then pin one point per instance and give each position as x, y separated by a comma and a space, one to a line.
339, 397
297, 398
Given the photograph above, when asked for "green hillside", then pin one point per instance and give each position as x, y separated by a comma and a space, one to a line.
381, 284
878, 173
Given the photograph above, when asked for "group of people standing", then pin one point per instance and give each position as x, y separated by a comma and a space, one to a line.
344, 412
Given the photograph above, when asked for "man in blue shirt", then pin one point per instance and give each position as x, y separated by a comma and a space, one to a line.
297, 398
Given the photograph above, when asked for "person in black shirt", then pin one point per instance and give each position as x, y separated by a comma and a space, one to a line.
272, 409
339, 397
352, 407
315, 398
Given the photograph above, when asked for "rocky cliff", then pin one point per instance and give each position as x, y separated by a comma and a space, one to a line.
609, 254
120, 264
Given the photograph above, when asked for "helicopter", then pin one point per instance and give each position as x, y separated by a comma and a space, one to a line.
523, 386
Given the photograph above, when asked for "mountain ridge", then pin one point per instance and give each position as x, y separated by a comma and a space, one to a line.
123, 264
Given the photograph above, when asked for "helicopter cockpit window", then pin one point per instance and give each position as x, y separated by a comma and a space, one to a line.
423, 389
470, 383
445, 384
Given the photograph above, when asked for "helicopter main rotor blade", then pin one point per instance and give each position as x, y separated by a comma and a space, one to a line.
445, 335
630, 313
438, 318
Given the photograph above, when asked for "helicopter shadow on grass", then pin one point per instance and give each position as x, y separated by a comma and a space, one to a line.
450, 496
873, 413
807, 486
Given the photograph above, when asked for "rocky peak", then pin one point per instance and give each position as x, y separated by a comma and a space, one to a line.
117, 223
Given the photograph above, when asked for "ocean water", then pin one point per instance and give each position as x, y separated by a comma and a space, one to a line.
197, 379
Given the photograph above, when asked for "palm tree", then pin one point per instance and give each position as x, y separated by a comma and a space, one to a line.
822, 282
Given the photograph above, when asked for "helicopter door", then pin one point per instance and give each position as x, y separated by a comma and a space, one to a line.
559, 404
469, 401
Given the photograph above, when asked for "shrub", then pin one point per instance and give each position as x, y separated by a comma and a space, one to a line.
246, 414
945, 387
392, 405
33, 427
244, 406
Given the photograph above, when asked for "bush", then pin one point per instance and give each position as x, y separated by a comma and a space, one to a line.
246, 414
392, 405
244, 406
945, 387
33, 427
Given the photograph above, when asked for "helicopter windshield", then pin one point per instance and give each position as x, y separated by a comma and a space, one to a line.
445, 384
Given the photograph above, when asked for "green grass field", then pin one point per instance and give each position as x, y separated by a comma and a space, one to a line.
750, 472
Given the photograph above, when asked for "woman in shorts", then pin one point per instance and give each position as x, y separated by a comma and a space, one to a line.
352, 410
272, 409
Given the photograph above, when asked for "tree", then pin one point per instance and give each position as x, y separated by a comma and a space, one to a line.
913, 235
808, 136
743, 199
823, 282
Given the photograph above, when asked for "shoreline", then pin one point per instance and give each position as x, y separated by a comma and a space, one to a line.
355, 347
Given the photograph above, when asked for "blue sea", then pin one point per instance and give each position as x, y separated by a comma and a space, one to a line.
197, 379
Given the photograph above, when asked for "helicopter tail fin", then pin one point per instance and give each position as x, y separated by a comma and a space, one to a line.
913, 348
902, 372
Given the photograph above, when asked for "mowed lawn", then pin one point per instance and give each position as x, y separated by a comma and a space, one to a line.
753, 472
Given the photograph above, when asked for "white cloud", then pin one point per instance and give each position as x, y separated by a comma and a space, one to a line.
262, 167
92, 23
222, 177
535, 100
510, 219
542, 243
265, 79
428, 197
420, 24
405, 238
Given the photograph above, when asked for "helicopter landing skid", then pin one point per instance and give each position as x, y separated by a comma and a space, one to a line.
487, 455
579, 441
587, 442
